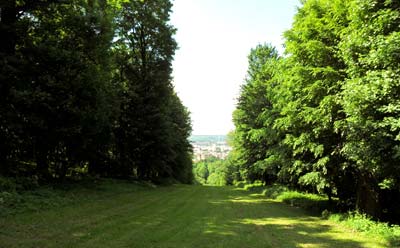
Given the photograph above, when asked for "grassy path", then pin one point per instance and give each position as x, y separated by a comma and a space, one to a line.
176, 216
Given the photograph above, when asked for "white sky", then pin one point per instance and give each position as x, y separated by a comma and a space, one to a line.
214, 38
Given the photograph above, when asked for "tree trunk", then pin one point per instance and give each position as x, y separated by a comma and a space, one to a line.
368, 196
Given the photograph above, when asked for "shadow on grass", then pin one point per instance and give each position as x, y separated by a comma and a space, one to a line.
313, 203
267, 223
175, 216
220, 217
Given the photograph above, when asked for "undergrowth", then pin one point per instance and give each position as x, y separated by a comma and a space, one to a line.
319, 204
312, 202
15, 199
362, 223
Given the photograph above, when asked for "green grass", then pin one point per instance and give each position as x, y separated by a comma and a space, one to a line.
362, 223
313, 203
122, 214
319, 205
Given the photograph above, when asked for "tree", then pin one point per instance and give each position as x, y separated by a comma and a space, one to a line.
86, 87
311, 108
325, 118
179, 131
251, 137
371, 52
154, 126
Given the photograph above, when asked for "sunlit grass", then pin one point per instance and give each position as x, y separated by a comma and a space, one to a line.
128, 215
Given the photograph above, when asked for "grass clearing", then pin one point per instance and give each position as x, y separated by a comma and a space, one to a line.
120, 214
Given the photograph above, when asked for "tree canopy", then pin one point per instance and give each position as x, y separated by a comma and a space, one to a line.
86, 88
324, 117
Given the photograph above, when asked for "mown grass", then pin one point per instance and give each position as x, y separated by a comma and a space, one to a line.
124, 214
320, 205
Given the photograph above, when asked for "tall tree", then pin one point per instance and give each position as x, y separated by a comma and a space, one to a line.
179, 131
145, 50
311, 109
371, 102
86, 87
61, 100
252, 137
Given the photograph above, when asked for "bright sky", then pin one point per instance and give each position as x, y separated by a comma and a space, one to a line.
214, 38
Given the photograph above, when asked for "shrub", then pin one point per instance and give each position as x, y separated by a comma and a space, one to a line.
239, 184
311, 202
362, 223
320, 204
7, 184
275, 190
257, 186
27, 183
216, 179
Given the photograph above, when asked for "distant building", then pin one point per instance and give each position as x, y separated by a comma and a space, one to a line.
210, 148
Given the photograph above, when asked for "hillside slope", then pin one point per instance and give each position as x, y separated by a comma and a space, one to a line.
129, 215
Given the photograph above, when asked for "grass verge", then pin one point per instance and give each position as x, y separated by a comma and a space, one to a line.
16, 200
362, 223
319, 204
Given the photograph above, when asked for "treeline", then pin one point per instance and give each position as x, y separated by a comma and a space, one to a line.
325, 117
85, 88
215, 171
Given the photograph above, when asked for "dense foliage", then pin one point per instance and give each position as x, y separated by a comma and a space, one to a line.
325, 117
86, 88
215, 171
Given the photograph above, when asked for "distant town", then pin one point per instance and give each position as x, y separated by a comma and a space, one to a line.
205, 146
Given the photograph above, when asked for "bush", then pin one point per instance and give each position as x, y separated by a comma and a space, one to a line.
10, 184
18, 202
311, 202
7, 184
27, 183
216, 179
257, 186
320, 204
198, 181
275, 190
362, 223
239, 184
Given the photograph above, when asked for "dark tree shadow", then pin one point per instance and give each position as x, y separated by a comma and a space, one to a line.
267, 223
179, 216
